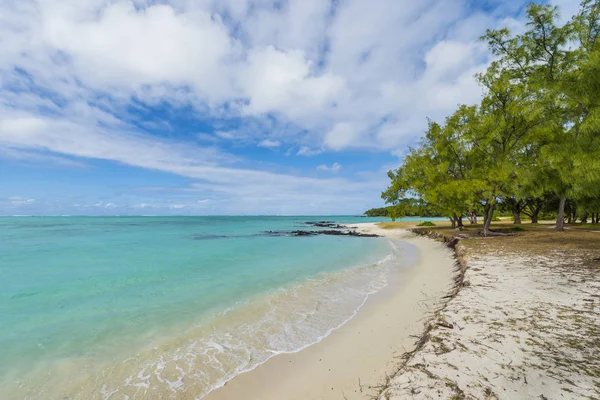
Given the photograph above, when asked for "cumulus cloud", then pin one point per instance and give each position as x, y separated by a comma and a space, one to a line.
296, 60
118, 45
286, 82
342, 135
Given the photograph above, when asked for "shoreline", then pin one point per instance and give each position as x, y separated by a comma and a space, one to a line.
190, 358
354, 359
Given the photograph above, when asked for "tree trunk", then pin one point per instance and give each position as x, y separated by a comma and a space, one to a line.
584, 218
487, 219
560, 220
457, 221
532, 209
534, 216
516, 212
473, 217
453, 222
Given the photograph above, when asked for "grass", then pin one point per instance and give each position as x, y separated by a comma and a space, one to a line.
538, 238
584, 226
396, 225
535, 239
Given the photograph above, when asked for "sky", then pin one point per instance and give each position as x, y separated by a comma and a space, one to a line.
238, 107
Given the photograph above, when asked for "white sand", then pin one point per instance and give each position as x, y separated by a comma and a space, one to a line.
526, 327
355, 358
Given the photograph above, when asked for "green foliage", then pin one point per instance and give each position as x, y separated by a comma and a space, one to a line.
534, 139
426, 223
377, 212
404, 208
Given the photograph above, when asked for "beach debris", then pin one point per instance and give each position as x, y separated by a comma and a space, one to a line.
492, 347
445, 325
452, 243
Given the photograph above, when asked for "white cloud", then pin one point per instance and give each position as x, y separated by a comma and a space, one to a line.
268, 143
298, 60
285, 82
342, 135
119, 46
17, 200
449, 58
26, 130
247, 189
144, 205
307, 151
315, 76
335, 168
32, 157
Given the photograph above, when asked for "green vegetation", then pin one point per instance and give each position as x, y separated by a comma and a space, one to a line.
534, 140
377, 212
426, 223
405, 208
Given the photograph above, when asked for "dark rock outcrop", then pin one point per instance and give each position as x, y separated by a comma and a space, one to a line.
325, 224
322, 232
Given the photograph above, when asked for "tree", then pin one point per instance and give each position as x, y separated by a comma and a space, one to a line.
437, 172
533, 141
502, 136
551, 62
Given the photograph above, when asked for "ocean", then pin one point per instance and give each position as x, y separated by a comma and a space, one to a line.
170, 307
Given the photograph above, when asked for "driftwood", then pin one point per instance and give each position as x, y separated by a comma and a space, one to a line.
445, 325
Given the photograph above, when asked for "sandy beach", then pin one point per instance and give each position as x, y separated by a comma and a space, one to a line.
355, 359
524, 325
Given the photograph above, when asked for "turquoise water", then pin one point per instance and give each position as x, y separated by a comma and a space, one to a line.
193, 301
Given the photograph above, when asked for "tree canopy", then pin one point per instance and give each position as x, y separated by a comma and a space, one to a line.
533, 140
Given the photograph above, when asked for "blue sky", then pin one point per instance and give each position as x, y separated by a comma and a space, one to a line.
226, 107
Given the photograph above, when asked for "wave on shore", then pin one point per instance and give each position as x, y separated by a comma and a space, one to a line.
193, 361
